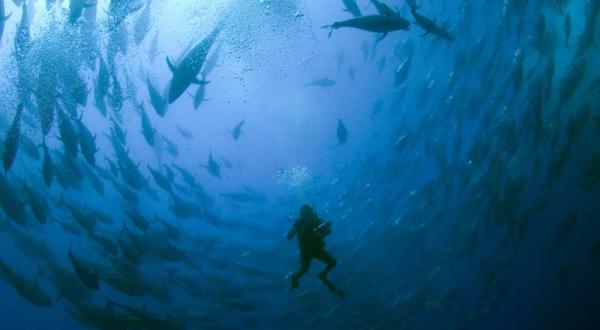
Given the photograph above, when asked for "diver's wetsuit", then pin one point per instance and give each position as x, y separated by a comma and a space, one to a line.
312, 246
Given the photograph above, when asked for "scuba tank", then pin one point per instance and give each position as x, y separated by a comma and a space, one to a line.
323, 229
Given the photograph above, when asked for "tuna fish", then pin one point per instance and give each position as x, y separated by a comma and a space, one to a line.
160, 179
11, 140
372, 23
11, 203
237, 130
321, 82
29, 290
142, 24
84, 272
342, 132
147, 129
67, 134
156, 99
87, 143
351, 7
48, 171
186, 71
3, 19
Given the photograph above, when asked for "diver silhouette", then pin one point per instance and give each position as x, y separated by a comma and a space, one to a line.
311, 231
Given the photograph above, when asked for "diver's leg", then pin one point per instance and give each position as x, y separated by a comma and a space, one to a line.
304, 267
329, 261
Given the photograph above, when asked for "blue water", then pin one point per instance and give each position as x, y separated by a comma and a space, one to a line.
465, 196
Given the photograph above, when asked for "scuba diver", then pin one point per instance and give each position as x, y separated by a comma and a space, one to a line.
311, 231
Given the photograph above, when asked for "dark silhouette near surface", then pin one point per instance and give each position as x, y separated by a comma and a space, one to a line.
311, 231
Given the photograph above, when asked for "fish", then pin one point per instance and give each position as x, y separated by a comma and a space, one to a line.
153, 49
342, 132
48, 171
565, 228
104, 76
199, 96
142, 24
76, 8
87, 143
571, 81
186, 71
38, 204
28, 290
351, 7
430, 27
381, 65
246, 196
147, 129
156, 99
172, 148
567, 27
237, 130
3, 19
340, 60
372, 23
67, 134
321, 82
213, 167
118, 10
11, 202
11, 140
160, 179
402, 71
84, 272
185, 133
138, 220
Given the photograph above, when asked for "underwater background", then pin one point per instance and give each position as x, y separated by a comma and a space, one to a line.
458, 159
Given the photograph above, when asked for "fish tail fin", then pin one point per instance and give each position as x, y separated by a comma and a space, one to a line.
331, 27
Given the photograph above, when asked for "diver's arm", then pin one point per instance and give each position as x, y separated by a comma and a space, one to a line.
292, 232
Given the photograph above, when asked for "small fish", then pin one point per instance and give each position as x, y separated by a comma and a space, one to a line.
11, 140
321, 82
237, 130
342, 132
84, 272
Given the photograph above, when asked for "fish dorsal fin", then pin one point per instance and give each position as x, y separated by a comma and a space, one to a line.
172, 67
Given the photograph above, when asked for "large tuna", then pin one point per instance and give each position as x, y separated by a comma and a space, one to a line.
186, 71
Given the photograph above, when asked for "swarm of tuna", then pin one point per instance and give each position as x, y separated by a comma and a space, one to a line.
480, 153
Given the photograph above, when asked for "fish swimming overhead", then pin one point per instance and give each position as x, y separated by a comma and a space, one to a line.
372, 23
29, 290
142, 25
186, 71
11, 203
87, 143
185, 133
342, 132
237, 130
3, 19
402, 71
76, 8
351, 7
147, 129
85, 274
156, 99
213, 167
48, 171
11, 140
430, 27
321, 82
